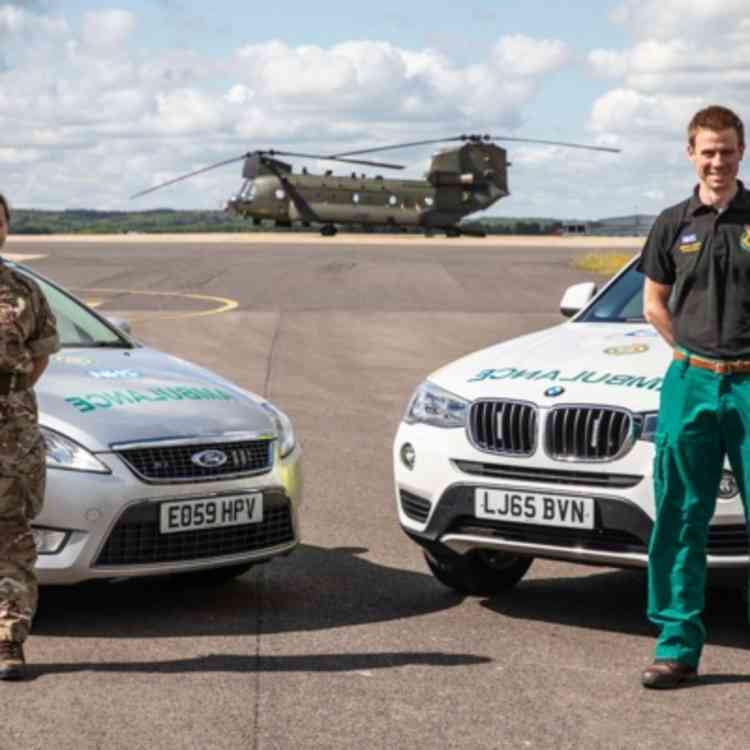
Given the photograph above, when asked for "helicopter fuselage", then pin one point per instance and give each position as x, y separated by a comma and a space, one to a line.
460, 182
357, 200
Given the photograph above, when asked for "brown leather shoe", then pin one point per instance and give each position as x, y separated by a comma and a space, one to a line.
664, 674
12, 661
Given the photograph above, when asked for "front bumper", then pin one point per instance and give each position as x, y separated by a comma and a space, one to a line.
112, 520
435, 502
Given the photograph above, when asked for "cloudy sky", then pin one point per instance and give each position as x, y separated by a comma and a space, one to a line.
101, 99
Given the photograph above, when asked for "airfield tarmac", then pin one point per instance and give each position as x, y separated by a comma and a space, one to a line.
349, 642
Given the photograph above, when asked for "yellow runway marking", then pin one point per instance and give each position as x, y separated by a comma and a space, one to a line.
94, 302
22, 257
225, 304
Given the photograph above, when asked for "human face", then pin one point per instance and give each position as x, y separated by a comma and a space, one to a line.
3, 225
716, 155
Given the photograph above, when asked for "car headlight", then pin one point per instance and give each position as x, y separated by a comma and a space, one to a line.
283, 424
64, 453
432, 405
648, 422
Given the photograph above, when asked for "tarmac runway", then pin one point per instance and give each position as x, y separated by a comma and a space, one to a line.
349, 642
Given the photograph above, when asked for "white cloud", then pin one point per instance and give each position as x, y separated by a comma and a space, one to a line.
666, 19
525, 56
684, 55
107, 28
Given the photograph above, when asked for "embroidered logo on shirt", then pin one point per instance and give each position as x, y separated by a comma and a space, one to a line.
689, 243
745, 239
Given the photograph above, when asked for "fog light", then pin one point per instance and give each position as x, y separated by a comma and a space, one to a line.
408, 455
49, 541
728, 486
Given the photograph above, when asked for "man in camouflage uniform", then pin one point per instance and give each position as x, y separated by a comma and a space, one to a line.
27, 337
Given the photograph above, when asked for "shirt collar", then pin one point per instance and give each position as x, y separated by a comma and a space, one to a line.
741, 201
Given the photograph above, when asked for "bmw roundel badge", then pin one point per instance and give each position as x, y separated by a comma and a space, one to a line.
555, 390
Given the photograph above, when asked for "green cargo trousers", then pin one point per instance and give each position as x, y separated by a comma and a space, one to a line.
703, 417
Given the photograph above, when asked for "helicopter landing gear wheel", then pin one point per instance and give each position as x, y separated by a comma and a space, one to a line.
328, 230
452, 232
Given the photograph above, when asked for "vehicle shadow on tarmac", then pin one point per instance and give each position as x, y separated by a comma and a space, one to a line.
313, 589
616, 601
259, 663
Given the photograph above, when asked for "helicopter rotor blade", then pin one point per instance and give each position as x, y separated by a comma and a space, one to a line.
477, 139
335, 157
403, 145
552, 143
190, 174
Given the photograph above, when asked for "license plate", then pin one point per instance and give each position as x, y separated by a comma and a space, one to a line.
211, 513
535, 508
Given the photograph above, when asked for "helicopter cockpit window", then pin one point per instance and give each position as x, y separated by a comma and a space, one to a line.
248, 191
392, 200
280, 194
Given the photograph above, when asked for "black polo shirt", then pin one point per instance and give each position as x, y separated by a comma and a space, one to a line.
705, 254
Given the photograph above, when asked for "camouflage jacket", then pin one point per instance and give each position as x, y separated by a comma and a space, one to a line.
27, 331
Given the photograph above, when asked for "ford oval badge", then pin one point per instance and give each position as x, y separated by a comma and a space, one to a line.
209, 459
555, 390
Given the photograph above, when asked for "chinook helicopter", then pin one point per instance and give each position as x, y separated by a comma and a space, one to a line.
460, 181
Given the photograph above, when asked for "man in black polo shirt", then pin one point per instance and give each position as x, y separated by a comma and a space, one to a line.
697, 295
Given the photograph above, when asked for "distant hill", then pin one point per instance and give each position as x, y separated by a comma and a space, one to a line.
162, 221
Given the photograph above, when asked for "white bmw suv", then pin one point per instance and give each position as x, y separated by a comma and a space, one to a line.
542, 446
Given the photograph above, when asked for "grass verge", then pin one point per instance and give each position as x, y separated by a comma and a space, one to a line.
605, 263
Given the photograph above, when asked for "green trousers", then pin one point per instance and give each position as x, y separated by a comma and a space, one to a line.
703, 417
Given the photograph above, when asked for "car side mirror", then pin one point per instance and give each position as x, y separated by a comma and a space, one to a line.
576, 297
120, 323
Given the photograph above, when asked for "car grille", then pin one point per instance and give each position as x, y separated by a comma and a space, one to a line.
415, 507
585, 433
135, 539
504, 427
722, 540
727, 540
553, 476
172, 463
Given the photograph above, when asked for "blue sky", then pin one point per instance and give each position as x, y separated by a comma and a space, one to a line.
98, 100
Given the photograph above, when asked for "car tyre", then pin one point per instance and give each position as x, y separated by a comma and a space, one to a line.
479, 573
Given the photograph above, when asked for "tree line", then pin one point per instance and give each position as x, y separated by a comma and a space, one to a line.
169, 221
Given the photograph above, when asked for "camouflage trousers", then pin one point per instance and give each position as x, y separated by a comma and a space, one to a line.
21, 499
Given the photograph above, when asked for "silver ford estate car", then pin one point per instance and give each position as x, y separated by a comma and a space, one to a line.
155, 465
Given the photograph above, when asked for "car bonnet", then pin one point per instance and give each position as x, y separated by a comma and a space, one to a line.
583, 363
101, 397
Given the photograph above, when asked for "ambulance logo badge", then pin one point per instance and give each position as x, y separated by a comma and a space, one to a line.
745, 239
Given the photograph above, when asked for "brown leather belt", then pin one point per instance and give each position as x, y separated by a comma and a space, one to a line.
717, 366
13, 381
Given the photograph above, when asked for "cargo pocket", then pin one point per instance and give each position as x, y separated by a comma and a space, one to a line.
33, 480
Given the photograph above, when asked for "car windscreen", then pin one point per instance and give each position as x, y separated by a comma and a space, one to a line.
621, 302
76, 326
